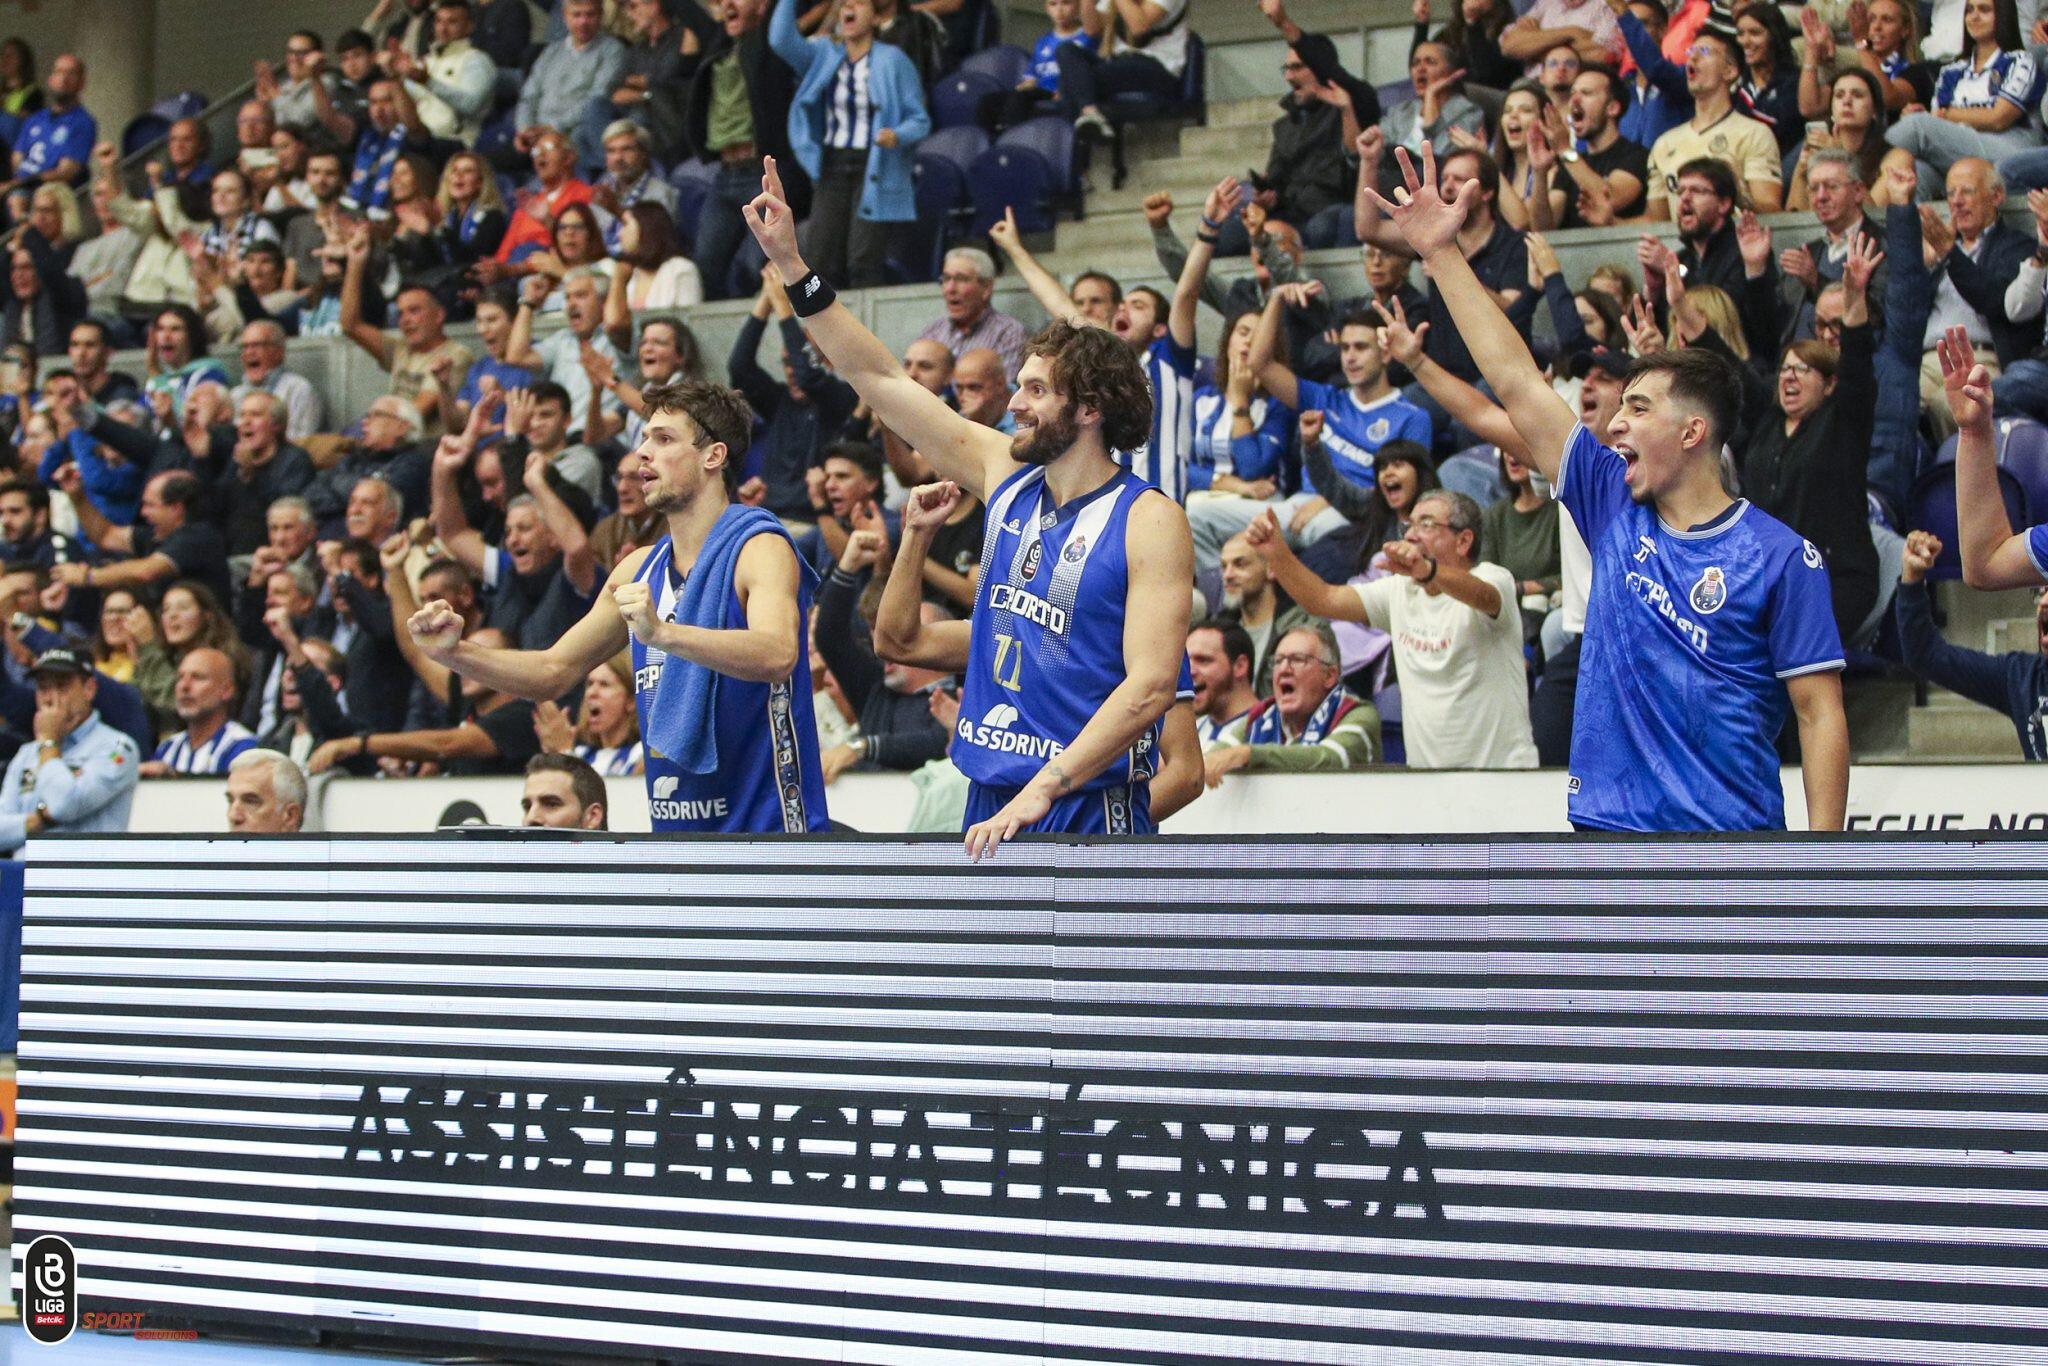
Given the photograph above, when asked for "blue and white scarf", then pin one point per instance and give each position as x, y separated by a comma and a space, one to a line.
1266, 728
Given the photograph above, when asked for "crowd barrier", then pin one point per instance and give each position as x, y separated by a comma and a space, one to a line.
1882, 797
1742, 1101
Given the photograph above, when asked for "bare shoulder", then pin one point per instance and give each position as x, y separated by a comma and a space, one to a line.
628, 567
767, 559
1157, 523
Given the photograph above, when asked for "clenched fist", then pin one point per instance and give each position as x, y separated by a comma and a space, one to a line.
436, 628
636, 609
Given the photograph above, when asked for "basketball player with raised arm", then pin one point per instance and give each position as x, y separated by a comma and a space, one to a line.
1080, 616
1705, 613
715, 614
1994, 555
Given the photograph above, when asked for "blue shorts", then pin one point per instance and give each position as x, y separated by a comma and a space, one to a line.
1098, 811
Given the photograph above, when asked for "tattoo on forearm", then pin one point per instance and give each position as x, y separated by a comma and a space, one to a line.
1062, 781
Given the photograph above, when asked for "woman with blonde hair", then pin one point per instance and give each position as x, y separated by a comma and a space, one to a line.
606, 734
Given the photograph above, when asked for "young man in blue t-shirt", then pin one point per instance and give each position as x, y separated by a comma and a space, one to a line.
1358, 421
1993, 556
1705, 612
57, 139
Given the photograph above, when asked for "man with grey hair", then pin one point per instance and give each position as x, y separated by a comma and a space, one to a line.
1310, 724
559, 357
376, 509
1975, 258
263, 370
266, 794
1836, 189
1456, 624
968, 281
629, 178
249, 466
391, 447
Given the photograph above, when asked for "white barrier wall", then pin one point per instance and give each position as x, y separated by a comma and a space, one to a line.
1450, 1102
1884, 797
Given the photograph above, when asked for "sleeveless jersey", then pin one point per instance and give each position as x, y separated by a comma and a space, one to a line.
1047, 645
768, 778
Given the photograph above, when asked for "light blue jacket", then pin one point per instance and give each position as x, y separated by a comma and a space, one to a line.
88, 788
890, 195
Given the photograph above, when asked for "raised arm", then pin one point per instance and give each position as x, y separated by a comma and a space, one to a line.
451, 457
371, 339
1367, 219
537, 675
1481, 416
579, 566
1056, 302
901, 635
1331, 601
1187, 291
1993, 557
1430, 226
974, 456
404, 603
1280, 382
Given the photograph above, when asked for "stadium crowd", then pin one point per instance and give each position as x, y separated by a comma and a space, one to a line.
204, 561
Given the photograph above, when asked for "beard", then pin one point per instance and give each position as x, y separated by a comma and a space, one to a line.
1048, 441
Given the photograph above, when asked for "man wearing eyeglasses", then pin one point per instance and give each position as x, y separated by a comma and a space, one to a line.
968, 283
1310, 724
1456, 622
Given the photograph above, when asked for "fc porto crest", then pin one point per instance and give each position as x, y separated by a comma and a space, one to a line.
1076, 550
1031, 558
1378, 431
1710, 592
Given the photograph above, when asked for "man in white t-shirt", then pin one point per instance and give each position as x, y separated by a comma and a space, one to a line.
1456, 627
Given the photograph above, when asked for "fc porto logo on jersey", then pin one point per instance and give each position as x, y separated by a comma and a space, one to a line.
1076, 550
1032, 557
1710, 592
1377, 432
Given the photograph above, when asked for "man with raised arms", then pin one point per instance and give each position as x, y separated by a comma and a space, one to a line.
714, 612
1705, 612
1994, 556
1081, 611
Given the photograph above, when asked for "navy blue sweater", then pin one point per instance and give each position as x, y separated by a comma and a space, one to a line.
2016, 683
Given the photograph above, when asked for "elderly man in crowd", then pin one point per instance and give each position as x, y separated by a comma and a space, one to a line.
419, 351
968, 282
1309, 725
204, 699
266, 794
79, 775
263, 371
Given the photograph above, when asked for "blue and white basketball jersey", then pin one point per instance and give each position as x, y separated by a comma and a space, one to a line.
1689, 638
1047, 645
618, 761
1162, 461
1353, 432
2037, 549
768, 778
210, 759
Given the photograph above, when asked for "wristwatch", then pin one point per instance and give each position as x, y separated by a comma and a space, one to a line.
1568, 156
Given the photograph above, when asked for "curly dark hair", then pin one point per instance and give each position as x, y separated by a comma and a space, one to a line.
717, 412
1095, 368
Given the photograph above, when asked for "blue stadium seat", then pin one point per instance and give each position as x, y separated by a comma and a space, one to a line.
1934, 509
1013, 178
1474, 472
186, 104
1394, 92
141, 131
956, 99
917, 250
692, 179
1052, 137
1189, 103
959, 145
1007, 63
2023, 453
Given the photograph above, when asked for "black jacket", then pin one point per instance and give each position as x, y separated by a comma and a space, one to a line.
900, 730
1982, 284
771, 90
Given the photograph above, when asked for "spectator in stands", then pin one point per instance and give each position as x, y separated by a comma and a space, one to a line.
1309, 725
559, 356
248, 466
1856, 129
326, 225
1716, 131
454, 83
1309, 177
1242, 434
1587, 26
648, 265
892, 700
668, 350
391, 448
1986, 102
653, 66
177, 361
309, 710
1438, 106
263, 371
606, 732
420, 349
25, 533
1142, 48
90, 355
537, 423
1220, 663
2015, 683
41, 301
1358, 420
103, 264
1472, 34
172, 541
804, 411
1658, 97
554, 189
736, 112
575, 241
19, 93
2023, 387
254, 128
266, 794
1599, 178
1456, 629
859, 109
1710, 252
472, 216
1886, 34
1258, 606
376, 510
55, 141
293, 104
205, 697
630, 175
113, 644
1975, 258
504, 31
187, 145
968, 283
920, 35
1769, 89
1519, 531
404, 24
355, 58
495, 735
585, 64
843, 487
394, 128
1041, 81
1836, 192
1494, 250
272, 625
366, 634
563, 792
80, 774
